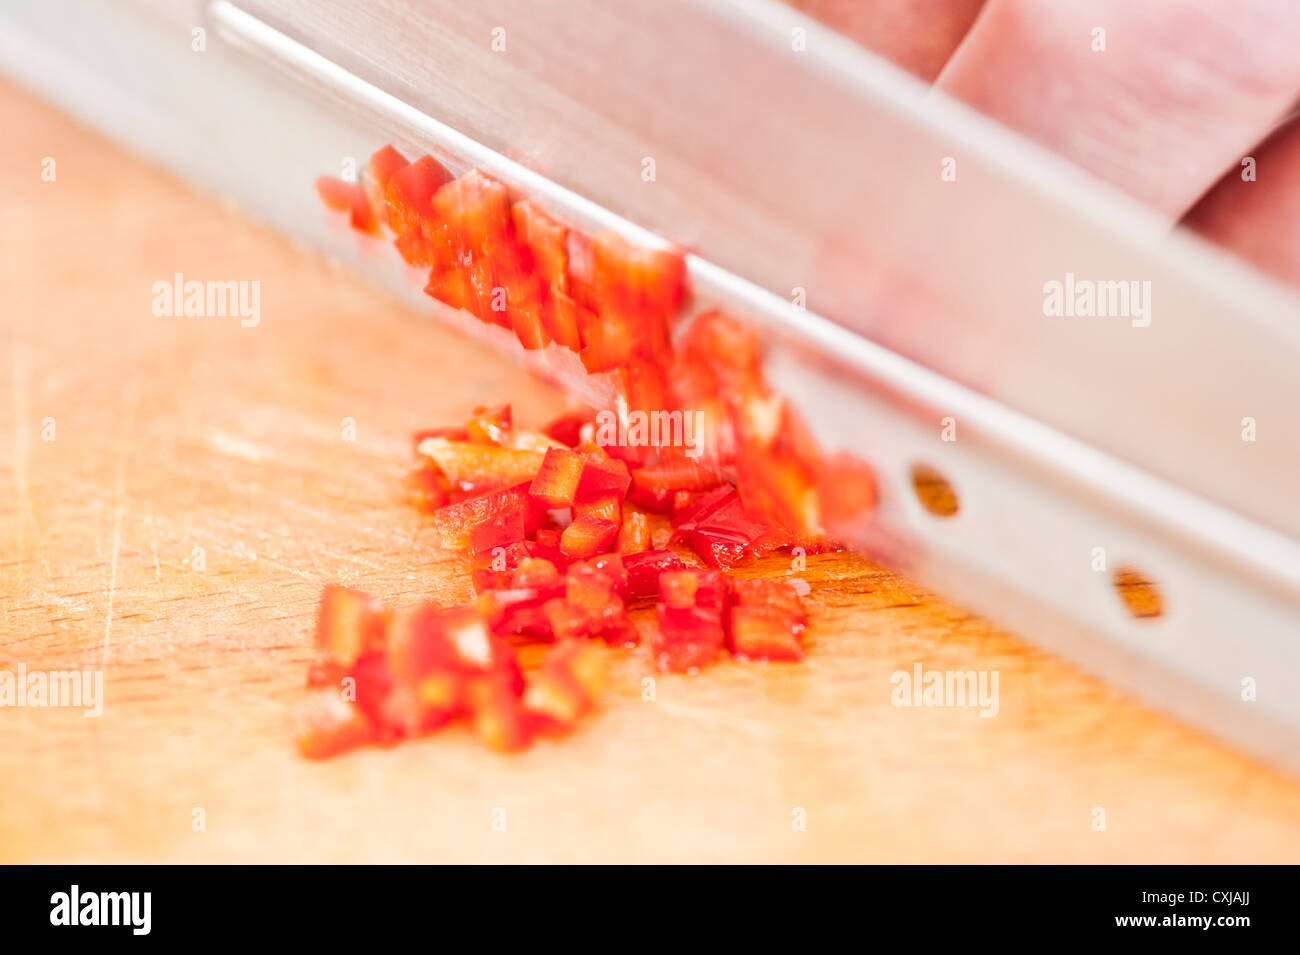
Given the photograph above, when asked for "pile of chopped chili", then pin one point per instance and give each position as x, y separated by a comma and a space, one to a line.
567, 527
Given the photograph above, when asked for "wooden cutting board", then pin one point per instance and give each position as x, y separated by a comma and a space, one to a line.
198, 490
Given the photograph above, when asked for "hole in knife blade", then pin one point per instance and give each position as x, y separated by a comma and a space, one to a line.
933, 491
1140, 595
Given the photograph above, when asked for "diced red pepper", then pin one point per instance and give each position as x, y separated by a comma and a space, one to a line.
608, 507
565, 686
677, 589
766, 621
409, 192
412, 248
326, 673
721, 531
509, 531
847, 487
646, 281
418, 644
567, 428
441, 695
375, 177
424, 491
348, 197
566, 621
645, 568
686, 639
527, 321
587, 536
529, 439
331, 725
718, 546
588, 586
475, 208
490, 425
582, 270
349, 623
690, 614
556, 484
761, 592
497, 549
764, 633
713, 591
589, 605
547, 540
479, 651
657, 485
389, 687
498, 715
453, 288
565, 318
602, 476
702, 507
640, 386
634, 536
779, 489
407, 710
554, 700
480, 467
455, 521
432, 639
769, 540
363, 217
546, 239
611, 565
516, 577
721, 348
435, 654
373, 680
609, 339
337, 194
518, 610
570, 620
537, 573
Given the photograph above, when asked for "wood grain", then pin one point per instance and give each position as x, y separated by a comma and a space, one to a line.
180, 433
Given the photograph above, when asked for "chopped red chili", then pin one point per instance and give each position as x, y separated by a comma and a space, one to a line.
564, 527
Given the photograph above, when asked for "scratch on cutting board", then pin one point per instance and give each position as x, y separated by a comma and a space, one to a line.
235, 447
153, 543
112, 578
22, 403
119, 508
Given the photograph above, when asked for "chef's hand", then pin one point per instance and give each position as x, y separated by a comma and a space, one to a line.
1179, 102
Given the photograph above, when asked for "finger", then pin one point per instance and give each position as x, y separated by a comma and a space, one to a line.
1157, 97
1255, 209
918, 35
